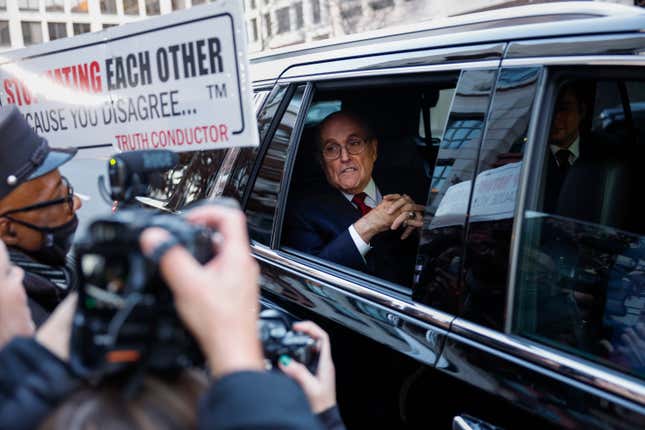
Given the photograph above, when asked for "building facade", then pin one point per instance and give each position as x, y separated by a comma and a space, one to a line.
28, 22
271, 24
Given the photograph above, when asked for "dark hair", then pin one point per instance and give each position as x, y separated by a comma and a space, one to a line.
160, 404
579, 90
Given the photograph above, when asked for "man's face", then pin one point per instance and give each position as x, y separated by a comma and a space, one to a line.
349, 173
44, 188
566, 120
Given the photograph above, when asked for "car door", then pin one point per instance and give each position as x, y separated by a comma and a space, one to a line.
564, 343
378, 330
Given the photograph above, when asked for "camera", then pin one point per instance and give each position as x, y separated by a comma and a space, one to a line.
126, 312
278, 340
125, 316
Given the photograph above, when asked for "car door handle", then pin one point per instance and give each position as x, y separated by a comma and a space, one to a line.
466, 422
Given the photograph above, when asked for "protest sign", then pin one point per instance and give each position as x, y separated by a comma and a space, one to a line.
178, 82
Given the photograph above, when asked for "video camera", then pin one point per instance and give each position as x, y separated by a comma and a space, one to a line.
126, 316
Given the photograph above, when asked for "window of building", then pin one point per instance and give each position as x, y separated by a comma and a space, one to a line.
300, 22
351, 11
267, 25
152, 7
381, 4
283, 19
131, 7
252, 4
581, 269
108, 25
254, 29
178, 4
32, 32
108, 7
315, 11
57, 30
28, 4
81, 27
54, 5
5, 36
79, 6
196, 2
3, 4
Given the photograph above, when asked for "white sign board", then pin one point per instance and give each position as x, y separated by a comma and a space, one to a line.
178, 82
493, 198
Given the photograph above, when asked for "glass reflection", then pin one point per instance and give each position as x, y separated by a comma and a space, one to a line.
440, 254
262, 202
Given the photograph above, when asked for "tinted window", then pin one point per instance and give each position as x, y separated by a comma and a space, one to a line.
247, 158
441, 250
191, 180
262, 202
581, 277
492, 205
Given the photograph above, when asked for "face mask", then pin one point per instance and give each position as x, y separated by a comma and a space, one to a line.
57, 241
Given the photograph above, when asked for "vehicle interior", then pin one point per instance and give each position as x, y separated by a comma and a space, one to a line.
406, 114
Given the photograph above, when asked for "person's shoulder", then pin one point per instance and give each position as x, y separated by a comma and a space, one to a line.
318, 196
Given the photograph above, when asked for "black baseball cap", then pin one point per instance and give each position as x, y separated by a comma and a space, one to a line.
23, 154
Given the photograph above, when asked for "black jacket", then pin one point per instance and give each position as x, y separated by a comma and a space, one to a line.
33, 381
46, 285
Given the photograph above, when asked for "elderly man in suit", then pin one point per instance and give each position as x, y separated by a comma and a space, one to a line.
351, 220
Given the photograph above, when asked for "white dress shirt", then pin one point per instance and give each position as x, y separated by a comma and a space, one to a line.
574, 149
372, 199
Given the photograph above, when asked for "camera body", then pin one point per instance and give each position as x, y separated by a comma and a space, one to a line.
126, 312
278, 340
126, 317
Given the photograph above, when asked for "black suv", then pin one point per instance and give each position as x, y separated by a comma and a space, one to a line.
526, 306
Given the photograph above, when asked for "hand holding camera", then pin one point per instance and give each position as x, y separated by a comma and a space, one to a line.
217, 301
157, 288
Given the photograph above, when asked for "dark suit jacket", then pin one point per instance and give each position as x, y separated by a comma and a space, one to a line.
555, 177
317, 224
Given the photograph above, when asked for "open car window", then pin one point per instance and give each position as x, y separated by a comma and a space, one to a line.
393, 117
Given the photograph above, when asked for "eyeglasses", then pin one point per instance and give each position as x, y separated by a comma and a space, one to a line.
354, 146
69, 199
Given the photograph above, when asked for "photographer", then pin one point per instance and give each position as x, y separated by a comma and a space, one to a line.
218, 303
37, 211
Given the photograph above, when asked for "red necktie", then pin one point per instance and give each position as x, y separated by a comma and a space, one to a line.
359, 201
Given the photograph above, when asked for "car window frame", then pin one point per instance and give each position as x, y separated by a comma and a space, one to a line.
266, 141
328, 267
530, 193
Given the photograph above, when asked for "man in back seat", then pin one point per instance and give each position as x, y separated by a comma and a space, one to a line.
351, 220
565, 144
